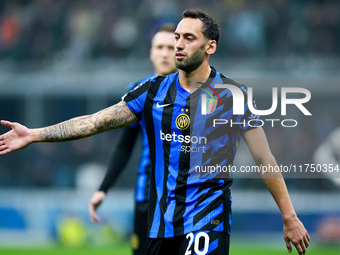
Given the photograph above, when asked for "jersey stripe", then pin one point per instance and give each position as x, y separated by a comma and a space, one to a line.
144, 168
148, 122
166, 128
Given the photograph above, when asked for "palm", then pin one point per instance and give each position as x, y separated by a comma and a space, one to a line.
14, 139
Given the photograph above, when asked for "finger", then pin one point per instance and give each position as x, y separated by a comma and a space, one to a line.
3, 147
6, 123
4, 152
92, 211
303, 246
288, 245
299, 249
306, 241
95, 218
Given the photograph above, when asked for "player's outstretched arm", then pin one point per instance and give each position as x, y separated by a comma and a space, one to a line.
293, 230
113, 117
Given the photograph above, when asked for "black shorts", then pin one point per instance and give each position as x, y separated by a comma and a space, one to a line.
140, 228
199, 242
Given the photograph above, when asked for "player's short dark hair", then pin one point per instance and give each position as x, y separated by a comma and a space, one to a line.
167, 27
211, 29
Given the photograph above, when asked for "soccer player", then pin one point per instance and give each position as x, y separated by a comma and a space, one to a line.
162, 55
187, 215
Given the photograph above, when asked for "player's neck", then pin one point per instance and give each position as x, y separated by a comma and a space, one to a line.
203, 71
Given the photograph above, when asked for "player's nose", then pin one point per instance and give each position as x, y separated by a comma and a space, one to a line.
179, 44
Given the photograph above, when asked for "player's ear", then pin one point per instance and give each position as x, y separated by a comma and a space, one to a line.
211, 47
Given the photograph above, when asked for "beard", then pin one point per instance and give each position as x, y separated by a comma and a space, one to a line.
192, 62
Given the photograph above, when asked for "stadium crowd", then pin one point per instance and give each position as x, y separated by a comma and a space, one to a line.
87, 29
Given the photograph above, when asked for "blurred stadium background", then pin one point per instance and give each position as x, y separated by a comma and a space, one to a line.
60, 59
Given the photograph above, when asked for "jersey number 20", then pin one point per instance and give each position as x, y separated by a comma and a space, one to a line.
196, 241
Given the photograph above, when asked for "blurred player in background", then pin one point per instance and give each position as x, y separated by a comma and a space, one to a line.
187, 214
328, 153
162, 56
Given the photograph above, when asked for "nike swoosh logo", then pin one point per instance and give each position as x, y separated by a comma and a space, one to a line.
161, 105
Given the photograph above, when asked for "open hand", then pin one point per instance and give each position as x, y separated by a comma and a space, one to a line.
17, 138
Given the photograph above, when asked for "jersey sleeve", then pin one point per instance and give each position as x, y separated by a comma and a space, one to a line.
135, 98
130, 87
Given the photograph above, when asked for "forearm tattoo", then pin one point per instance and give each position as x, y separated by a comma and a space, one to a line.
113, 117
52, 133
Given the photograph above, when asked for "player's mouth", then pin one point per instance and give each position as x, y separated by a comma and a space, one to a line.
180, 55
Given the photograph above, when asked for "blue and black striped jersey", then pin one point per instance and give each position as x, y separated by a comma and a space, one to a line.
143, 171
180, 201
